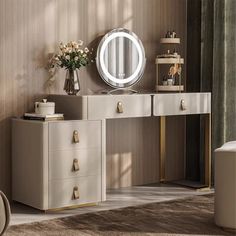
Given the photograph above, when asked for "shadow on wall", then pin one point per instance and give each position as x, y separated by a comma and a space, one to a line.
132, 159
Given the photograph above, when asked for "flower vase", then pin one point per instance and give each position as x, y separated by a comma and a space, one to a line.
72, 86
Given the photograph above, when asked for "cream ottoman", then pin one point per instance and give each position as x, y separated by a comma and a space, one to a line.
225, 185
4, 213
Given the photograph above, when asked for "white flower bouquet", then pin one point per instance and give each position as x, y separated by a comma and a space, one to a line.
72, 56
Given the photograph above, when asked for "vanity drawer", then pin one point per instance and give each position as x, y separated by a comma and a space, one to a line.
181, 104
62, 135
62, 192
118, 106
74, 163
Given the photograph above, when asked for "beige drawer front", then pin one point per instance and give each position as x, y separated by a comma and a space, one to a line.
61, 193
74, 163
118, 106
61, 135
181, 104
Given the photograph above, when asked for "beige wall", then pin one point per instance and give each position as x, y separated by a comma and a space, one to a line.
30, 29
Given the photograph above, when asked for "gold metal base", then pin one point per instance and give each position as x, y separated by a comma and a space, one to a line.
71, 207
205, 189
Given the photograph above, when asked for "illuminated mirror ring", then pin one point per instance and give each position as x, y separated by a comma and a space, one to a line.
130, 61
102, 53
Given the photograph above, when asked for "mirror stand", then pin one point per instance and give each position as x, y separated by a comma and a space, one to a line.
120, 91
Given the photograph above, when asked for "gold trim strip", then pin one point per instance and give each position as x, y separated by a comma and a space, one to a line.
71, 207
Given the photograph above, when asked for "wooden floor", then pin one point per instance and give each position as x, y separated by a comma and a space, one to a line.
124, 197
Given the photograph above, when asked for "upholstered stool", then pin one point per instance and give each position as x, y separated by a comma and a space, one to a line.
4, 213
225, 185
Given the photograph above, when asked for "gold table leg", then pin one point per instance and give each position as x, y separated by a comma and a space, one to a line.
208, 150
162, 148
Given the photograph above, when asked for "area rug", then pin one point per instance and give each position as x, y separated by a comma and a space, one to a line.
191, 216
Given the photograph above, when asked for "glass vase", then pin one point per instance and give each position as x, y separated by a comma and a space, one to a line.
72, 86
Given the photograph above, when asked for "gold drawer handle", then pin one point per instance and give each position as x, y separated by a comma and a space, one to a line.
76, 193
120, 107
183, 106
75, 165
76, 136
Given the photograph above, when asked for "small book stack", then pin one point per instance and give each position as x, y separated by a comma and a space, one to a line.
34, 116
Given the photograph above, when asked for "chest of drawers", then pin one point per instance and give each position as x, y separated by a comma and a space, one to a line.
58, 164
61, 164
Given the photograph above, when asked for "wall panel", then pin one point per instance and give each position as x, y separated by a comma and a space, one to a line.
30, 30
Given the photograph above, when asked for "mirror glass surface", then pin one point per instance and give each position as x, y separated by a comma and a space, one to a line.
120, 58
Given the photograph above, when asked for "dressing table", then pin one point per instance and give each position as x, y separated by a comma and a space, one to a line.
60, 164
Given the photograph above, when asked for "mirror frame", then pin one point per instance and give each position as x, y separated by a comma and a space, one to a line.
106, 76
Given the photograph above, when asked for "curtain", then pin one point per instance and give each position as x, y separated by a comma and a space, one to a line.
218, 66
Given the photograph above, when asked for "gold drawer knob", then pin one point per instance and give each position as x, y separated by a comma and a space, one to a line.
183, 106
76, 193
76, 136
120, 107
75, 165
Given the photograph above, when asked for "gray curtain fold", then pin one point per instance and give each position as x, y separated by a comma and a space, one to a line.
218, 66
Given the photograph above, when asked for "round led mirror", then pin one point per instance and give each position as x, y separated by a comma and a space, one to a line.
121, 58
